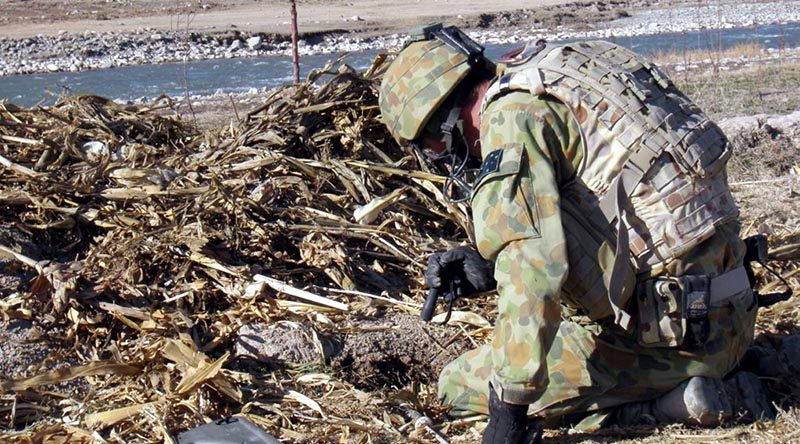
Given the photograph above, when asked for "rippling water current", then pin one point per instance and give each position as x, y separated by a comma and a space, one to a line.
237, 75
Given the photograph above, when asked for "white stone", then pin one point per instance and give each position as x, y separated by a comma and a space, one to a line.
52, 67
235, 45
156, 37
95, 150
254, 42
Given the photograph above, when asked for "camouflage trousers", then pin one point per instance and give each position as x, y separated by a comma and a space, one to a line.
592, 368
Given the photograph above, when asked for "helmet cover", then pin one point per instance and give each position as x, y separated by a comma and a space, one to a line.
417, 83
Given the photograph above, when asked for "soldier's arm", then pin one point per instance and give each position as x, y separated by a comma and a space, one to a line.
518, 224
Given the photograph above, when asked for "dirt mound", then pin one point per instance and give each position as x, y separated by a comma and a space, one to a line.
396, 350
764, 146
284, 344
371, 354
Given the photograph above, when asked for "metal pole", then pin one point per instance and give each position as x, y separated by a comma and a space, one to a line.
295, 56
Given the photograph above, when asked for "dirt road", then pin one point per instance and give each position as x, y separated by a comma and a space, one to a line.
23, 18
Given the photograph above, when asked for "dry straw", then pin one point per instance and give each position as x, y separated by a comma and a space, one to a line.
161, 242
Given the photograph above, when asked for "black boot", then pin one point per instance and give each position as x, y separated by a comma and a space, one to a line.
509, 424
703, 401
696, 401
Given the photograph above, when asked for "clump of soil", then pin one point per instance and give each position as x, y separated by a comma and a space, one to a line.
396, 350
284, 344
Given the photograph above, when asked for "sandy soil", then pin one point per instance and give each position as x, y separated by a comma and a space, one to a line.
23, 18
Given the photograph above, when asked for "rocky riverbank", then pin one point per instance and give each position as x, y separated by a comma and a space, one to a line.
648, 21
93, 50
100, 50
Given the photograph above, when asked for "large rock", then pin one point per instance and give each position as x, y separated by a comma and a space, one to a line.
254, 43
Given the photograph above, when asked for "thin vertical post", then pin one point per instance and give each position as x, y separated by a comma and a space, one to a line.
295, 55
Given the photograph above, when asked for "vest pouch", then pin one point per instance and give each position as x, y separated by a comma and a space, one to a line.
660, 322
704, 151
673, 312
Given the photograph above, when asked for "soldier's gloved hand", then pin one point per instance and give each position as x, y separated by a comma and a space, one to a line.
509, 423
462, 269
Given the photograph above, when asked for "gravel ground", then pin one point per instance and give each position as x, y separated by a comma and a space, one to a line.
22, 352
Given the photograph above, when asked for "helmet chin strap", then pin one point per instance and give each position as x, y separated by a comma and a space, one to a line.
450, 124
454, 141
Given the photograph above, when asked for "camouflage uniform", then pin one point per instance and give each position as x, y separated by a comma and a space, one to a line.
539, 354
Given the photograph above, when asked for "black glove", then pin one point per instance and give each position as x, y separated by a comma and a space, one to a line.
461, 269
509, 424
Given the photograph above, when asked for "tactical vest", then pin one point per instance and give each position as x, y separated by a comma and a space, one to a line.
653, 172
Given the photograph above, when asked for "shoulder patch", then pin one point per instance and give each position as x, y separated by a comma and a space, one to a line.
490, 165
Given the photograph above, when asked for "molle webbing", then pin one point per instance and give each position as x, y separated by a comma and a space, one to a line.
653, 159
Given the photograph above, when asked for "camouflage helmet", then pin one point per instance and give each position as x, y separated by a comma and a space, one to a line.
416, 84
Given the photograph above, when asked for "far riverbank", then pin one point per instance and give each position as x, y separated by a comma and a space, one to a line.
90, 50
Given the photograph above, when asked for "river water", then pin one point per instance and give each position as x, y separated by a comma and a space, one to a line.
239, 75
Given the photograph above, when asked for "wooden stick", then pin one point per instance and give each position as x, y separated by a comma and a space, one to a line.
283, 287
130, 312
758, 182
295, 54
18, 168
20, 257
372, 296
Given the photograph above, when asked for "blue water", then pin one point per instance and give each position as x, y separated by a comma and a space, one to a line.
237, 75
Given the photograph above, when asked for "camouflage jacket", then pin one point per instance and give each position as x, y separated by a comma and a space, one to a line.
548, 250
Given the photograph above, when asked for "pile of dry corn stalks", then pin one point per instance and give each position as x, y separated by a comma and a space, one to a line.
161, 242
158, 243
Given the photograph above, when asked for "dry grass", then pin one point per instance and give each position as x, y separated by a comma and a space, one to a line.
742, 80
686, 57
770, 89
